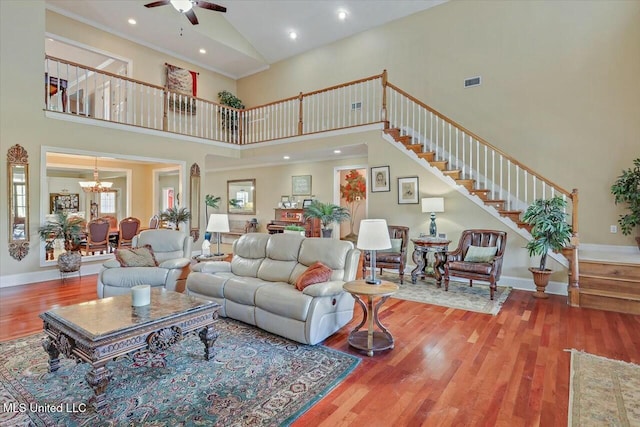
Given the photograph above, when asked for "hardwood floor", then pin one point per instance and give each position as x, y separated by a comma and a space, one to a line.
449, 367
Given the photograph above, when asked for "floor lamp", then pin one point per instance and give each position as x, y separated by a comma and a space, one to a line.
218, 223
373, 236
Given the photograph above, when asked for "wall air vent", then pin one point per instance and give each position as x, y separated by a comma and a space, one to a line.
472, 81
356, 106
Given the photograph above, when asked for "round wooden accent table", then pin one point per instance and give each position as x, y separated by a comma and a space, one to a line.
370, 340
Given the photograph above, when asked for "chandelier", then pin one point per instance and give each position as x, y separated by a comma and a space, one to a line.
95, 186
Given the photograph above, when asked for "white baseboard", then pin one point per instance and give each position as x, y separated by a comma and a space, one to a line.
10, 280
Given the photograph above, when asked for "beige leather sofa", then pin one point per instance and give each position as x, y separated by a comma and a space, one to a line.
172, 250
258, 285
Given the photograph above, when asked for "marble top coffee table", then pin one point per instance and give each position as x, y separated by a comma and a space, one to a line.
98, 331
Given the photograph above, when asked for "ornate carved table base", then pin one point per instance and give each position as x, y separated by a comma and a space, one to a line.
370, 340
83, 332
422, 247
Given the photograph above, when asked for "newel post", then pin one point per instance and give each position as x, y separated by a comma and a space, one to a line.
574, 269
165, 107
300, 114
384, 99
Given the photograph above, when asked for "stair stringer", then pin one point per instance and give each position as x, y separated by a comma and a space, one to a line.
475, 199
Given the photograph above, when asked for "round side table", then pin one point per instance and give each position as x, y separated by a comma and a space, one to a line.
370, 340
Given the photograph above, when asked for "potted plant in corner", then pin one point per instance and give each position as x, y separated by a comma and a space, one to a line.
69, 228
327, 213
550, 231
626, 189
176, 216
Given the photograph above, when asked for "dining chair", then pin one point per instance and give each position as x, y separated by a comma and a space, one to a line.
154, 222
97, 237
127, 230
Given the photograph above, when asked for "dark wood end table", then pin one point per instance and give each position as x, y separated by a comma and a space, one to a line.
369, 339
422, 246
98, 331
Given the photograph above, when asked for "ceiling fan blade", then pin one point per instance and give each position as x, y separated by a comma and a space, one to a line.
210, 6
157, 3
192, 16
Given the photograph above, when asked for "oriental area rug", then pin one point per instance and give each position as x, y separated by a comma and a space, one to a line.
256, 379
603, 392
460, 295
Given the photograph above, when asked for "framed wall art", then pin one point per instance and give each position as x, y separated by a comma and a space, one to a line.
408, 190
380, 179
301, 185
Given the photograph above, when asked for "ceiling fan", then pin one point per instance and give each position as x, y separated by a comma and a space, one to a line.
186, 7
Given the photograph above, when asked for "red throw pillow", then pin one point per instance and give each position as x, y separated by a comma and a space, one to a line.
316, 273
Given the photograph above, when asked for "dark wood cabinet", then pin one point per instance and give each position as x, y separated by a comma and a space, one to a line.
284, 217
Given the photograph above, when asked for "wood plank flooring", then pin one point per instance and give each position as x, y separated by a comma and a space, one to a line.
449, 367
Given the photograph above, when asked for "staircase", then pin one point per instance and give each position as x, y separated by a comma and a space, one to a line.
612, 286
471, 185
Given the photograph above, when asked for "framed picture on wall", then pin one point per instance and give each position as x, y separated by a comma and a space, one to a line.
408, 190
301, 185
306, 203
380, 179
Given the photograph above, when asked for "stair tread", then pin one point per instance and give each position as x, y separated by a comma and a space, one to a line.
620, 279
480, 190
610, 294
509, 212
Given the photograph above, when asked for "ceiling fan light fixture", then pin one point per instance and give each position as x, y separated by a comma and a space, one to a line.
181, 6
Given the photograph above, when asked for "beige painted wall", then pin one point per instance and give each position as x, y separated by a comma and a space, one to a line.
560, 89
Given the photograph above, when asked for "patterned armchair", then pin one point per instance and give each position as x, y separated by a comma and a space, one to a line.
396, 257
477, 257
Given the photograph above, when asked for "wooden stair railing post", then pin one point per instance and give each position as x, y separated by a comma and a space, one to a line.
574, 266
165, 107
383, 112
300, 113
240, 119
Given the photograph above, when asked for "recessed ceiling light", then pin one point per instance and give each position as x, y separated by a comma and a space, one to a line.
342, 15
203, 51
286, 157
337, 151
132, 21
293, 35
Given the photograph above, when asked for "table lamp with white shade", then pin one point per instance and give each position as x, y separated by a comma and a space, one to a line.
433, 205
218, 223
373, 236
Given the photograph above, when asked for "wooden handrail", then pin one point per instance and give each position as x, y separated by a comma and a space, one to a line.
291, 98
327, 89
482, 140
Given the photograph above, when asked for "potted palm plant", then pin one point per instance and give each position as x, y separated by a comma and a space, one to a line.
550, 231
176, 216
70, 229
327, 213
626, 189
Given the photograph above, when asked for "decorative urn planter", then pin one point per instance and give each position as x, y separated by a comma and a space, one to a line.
541, 280
68, 262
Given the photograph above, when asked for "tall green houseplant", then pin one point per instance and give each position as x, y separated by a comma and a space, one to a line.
549, 231
230, 117
626, 189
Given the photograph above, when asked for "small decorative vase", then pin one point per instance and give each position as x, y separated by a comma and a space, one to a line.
541, 280
69, 262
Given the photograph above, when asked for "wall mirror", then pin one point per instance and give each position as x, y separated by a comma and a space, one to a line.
241, 196
18, 192
194, 200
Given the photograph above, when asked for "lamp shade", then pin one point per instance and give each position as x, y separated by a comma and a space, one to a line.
433, 204
218, 223
373, 235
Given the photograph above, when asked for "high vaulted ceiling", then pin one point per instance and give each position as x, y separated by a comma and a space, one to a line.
250, 36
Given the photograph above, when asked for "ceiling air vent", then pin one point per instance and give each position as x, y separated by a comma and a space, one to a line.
472, 81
